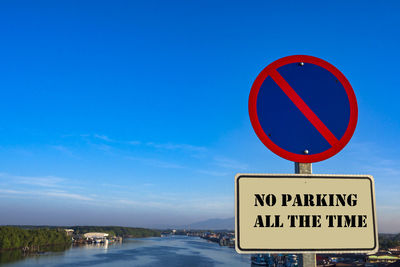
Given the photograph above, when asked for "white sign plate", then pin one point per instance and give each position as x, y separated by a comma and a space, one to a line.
305, 213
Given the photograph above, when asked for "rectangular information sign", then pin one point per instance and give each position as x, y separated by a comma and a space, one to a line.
305, 213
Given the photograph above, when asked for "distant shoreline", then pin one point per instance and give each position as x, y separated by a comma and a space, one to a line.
36, 238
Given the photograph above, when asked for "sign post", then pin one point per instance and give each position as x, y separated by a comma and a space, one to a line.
307, 260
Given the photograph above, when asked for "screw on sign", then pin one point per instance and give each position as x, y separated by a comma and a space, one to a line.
303, 108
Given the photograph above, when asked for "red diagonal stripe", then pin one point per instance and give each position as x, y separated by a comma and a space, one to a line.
302, 106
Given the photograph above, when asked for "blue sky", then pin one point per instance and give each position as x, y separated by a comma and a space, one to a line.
135, 113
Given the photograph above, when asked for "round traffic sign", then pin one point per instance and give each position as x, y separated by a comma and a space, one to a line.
303, 108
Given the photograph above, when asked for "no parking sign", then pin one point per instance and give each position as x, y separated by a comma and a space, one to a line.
303, 108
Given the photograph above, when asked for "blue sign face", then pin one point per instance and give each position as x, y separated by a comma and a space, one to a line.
303, 108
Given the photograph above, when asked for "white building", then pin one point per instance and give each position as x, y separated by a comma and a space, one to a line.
96, 237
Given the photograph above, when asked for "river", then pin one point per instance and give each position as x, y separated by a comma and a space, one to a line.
155, 251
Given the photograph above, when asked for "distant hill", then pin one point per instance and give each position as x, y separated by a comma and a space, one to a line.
213, 224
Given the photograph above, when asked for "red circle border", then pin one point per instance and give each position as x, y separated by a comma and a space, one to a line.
280, 151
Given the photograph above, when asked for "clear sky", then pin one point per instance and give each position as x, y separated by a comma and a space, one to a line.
135, 112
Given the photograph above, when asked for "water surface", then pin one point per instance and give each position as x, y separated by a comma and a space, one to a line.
157, 251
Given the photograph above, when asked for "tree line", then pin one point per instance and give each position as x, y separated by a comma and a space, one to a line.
387, 241
31, 239
35, 237
117, 231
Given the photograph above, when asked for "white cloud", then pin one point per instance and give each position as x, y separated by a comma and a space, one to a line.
229, 163
63, 194
172, 146
41, 193
144, 204
7, 191
135, 143
213, 173
157, 163
103, 137
45, 181
63, 149
102, 147
165, 146
214, 205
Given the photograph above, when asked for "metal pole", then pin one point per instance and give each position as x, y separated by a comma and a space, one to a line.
307, 260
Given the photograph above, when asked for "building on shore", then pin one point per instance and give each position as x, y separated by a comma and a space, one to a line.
395, 250
69, 232
96, 237
382, 259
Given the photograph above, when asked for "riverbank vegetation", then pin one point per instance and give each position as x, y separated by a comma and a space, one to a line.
118, 231
31, 239
35, 237
18, 242
389, 241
